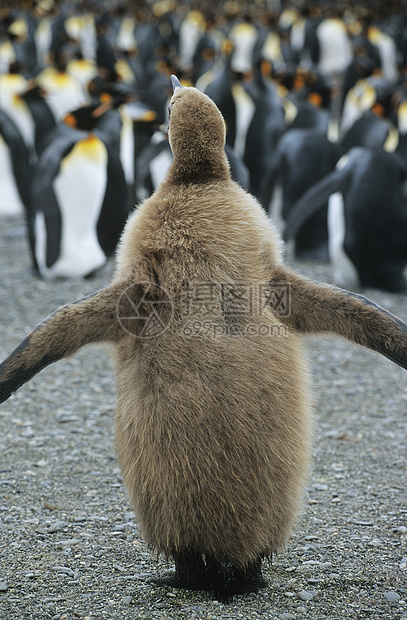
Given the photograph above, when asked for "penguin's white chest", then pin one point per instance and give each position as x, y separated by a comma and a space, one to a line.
159, 167
245, 109
79, 189
344, 271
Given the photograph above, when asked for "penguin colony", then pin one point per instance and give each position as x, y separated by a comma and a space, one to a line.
212, 428
298, 88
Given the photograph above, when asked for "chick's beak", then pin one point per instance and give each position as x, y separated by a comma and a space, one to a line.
176, 84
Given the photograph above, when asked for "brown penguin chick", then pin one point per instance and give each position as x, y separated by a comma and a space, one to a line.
216, 458
213, 420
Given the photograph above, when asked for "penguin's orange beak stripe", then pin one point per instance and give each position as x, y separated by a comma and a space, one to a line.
315, 99
378, 109
105, 98
70, 120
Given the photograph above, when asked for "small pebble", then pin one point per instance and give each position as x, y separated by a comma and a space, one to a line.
69, 542
127, 600
392, 596
375, 543
64, 570
3, 586
41, 463
120, 568
307, 595
58, 526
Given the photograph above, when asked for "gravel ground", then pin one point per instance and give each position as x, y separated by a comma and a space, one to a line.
69, 547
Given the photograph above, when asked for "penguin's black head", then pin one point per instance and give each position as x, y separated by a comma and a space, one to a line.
196, 133
34, 92
84, 118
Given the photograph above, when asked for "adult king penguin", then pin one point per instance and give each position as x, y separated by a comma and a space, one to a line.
79, 194
213, 420
367, 219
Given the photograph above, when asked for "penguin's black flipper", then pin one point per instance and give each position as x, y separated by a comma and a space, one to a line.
314, 199
95, 318
320, 308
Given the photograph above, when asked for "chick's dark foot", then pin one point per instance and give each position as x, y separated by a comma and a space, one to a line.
197, 571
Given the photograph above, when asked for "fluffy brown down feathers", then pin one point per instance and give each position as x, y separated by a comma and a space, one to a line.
212, 432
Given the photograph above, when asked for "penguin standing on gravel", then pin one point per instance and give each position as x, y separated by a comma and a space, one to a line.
367, 218
213, 421
80, 196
